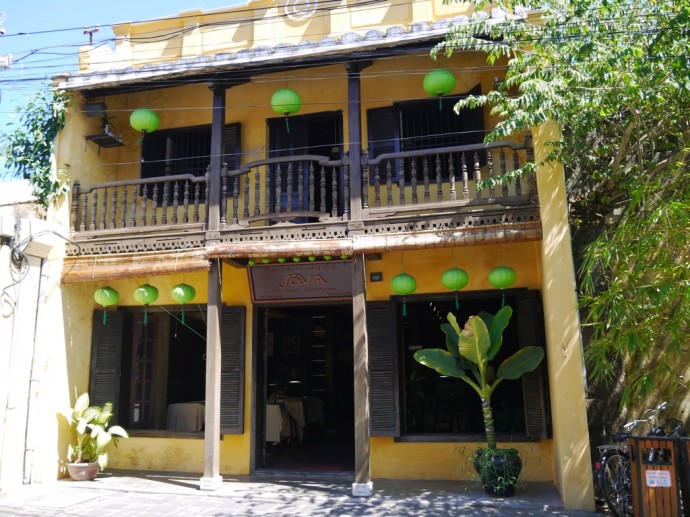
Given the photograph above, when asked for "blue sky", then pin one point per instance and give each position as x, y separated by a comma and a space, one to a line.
44, 37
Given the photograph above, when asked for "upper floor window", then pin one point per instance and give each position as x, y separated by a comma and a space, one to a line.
186, 151
420, 125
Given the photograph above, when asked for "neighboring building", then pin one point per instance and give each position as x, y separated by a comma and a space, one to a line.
290, 229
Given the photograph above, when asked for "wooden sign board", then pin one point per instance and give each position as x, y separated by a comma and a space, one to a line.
304, 281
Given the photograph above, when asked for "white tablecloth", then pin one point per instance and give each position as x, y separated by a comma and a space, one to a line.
187, 416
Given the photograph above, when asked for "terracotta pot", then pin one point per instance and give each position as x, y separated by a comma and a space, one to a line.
82, 471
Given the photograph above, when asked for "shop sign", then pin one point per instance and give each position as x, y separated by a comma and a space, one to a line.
301, 281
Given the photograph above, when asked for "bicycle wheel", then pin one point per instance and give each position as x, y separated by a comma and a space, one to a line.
614, 481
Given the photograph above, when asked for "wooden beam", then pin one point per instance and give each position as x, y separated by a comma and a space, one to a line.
368, 244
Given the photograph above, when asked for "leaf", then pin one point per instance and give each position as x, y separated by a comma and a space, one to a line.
496, 324
474, 341
523, 361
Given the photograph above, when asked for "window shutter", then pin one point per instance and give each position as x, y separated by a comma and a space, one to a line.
106, 358
383, 131
531, 332
231, 146
383, 371
232, 370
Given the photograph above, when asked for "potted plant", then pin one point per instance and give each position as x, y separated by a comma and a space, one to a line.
467, 356
88, 455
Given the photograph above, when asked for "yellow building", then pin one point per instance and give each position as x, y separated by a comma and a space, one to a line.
298, 165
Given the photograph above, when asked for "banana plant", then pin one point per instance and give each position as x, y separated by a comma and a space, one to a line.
468, 356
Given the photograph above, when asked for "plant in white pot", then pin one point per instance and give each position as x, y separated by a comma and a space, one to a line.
87, 455
467, 356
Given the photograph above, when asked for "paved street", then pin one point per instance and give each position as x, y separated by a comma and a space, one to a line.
130, 494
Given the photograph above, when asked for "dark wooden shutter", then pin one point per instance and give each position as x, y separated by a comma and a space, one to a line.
232, 145
106, 358
383, 131
232, 370
531, 332
383, 370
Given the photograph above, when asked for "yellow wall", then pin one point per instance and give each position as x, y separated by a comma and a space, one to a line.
415, 460
572, 460
155, 453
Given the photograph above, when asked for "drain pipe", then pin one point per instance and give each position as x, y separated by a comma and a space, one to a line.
33, 381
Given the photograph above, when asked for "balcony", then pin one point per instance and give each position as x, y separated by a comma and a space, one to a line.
309, 198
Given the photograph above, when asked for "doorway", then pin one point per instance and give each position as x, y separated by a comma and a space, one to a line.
305, 391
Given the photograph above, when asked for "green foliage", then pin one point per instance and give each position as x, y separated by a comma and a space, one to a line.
469, 352
615, 75
28, 148
93, 432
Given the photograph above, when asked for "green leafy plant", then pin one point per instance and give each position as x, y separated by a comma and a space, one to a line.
93, 432
467, 356
28, 149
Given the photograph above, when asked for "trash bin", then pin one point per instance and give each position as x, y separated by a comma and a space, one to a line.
654, 475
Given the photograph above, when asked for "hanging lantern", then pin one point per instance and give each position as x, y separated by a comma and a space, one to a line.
455, 279
327, 257
286, 102
403, 284
105, 297
144, 121
251, 262
183, 294
145, 295
281, 259
296, 259
502, 277
438, 83
311, 258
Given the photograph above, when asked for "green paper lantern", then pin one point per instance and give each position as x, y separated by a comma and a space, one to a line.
251, 262
265, 260
281, 259
502, 277
327, 257
455, 279
344, 257
311, 258
286, 102
403, 284
296, 259
183, 294
145, 295
438, 83
144, 121
105, 297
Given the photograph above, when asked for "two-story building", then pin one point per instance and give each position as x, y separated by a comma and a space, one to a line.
287, 163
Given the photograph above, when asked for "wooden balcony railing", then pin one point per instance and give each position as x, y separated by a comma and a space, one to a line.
423, 179
292, 188
151, 202
260, 198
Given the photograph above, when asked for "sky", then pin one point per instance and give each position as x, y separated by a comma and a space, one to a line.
44, 37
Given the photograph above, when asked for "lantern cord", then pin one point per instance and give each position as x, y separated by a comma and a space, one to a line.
182, 318
177, 257
503, 299
287, 124
404, 309
93, 271
105, 316
440, 104
146, 316
457, 302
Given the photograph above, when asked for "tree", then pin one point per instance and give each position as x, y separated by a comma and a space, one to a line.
615, 75
28, 148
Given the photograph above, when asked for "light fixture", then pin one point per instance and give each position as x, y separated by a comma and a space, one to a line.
438, 83
403, 284
183, 294
455, 279
105, 297
502, 277
145, 121
145, 295
286, 102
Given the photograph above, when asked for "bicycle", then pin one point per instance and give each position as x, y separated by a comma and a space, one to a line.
613, 467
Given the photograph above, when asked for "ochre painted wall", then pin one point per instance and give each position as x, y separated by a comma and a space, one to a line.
415, 460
